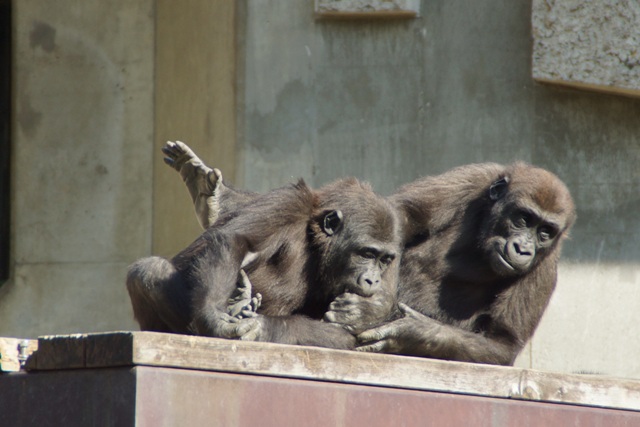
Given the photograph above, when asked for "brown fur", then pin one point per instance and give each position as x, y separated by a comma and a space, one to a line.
299, 266
469, 305
481, 316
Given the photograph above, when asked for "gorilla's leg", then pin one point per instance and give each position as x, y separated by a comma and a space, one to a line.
211, 197
202, 182
159, 301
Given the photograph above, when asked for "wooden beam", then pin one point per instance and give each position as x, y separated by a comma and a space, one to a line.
285, 361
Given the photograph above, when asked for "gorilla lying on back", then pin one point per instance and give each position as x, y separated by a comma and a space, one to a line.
479, 261
301, 249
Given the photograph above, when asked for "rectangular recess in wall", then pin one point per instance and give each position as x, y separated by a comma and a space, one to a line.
5, 135
367, 9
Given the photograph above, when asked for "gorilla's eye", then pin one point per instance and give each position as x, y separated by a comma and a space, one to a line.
546, 232
387, 259
522, 219
368, 253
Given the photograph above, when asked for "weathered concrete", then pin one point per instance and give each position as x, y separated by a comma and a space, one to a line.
70, 297
81, 94
153, 379
588, 44
82, 162
367, 8
592, 322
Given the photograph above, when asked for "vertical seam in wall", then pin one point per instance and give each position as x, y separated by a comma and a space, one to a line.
13, 131
239, 42
151, 241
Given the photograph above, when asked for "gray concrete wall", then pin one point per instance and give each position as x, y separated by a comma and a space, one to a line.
98, 88
389, 101
81, 169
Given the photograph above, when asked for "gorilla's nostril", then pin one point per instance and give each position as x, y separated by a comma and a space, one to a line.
519, 250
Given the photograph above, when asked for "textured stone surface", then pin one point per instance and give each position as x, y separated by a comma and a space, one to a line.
593, 43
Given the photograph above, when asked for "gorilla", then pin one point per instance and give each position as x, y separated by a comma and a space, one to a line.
299, 249
480, 247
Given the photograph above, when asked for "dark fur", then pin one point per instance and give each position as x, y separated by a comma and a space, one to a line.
299, 265
480, 315
465, 308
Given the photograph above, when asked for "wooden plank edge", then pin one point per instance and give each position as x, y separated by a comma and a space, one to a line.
77, 351
59, 352
610, 90
314, 363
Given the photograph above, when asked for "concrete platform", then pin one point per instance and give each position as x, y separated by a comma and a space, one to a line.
150, 379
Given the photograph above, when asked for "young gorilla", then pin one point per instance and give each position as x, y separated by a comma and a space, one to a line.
300, 250
479, 264
490, 236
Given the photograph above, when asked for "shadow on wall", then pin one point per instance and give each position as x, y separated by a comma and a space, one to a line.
5, 135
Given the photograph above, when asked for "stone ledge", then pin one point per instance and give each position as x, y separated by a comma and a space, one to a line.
366, 9
116, 349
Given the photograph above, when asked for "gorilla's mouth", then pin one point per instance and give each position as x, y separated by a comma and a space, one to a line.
353, 288
504, 261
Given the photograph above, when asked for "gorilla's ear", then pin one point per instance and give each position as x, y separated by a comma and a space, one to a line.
332, 222
498, 188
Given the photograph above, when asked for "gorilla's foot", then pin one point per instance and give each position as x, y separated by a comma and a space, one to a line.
202, 181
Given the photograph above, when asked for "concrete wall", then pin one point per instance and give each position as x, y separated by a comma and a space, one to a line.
98, 88
195, 74
387, 101
81, 177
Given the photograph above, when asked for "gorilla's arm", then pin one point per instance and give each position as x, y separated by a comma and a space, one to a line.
294, 329
418, 335
506, 326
